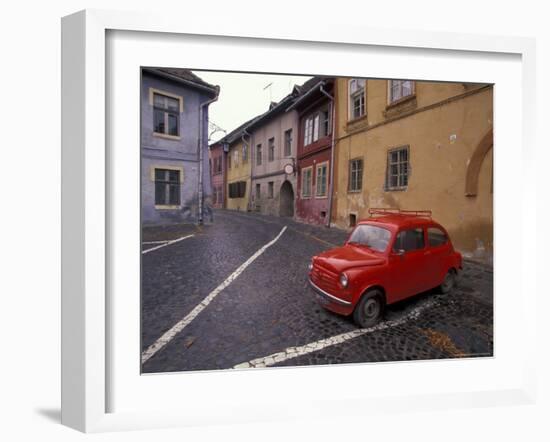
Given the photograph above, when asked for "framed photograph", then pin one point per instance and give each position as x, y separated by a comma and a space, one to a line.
291, 223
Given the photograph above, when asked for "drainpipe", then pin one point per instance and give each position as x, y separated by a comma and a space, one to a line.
332, 153
201, 150
249, 144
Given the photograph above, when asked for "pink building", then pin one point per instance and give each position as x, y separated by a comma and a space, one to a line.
218, 175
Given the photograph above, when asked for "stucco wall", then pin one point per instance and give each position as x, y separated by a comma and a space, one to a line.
441, 142
310, 210
313, 209
266, 205
182, 152
188, 211
276, 129
238, 172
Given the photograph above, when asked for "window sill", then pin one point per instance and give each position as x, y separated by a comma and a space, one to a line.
395, 189
355, 191
167, 207
401, 101
320, 197
357, 120
166, 136
401, 107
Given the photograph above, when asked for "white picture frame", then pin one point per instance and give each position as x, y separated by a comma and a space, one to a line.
87, 211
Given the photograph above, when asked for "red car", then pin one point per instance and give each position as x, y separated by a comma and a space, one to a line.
388, 257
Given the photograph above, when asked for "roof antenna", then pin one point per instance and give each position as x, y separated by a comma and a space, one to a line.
270, 91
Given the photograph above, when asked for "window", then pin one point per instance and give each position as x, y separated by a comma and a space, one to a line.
306, 182
408, 240
321, 180
317, 125
398, 168
258, 191
236, 158
356, 98
166, 115
288, 142
167, 187
259, 155
308, 131
399, 89
271, 149
373, 237
270, 189
355, 175
325, 122
245, 153
436, 237
237, 190
217, 165
229, 160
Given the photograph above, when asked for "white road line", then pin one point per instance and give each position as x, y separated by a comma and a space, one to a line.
166, 244
156, 242
170, 334
294, 352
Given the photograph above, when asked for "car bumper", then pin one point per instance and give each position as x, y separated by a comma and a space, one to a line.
327, 297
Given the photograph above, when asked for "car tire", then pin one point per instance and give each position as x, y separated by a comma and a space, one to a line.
369, 310
448, 282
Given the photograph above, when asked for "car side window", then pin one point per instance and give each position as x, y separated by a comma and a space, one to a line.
408, 240
436, 237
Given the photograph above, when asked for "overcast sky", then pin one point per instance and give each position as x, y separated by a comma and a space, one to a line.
242, 96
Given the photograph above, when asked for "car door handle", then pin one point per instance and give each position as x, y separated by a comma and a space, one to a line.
427, 253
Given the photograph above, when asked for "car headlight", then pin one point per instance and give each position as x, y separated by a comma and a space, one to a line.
310, 266
343, 280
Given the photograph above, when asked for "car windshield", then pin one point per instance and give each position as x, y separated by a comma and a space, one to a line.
373, 237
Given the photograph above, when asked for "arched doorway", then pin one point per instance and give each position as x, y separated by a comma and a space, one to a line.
474, 165
286, 200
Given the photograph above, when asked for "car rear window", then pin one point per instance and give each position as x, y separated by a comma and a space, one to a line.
436, 237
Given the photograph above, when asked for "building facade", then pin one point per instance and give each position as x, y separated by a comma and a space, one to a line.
218, 173
314, 150
417, 145
273, 146
239, 169
175, 177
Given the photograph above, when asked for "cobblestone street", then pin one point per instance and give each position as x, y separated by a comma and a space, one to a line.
206, 306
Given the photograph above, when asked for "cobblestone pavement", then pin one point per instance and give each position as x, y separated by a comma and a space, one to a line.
268, 315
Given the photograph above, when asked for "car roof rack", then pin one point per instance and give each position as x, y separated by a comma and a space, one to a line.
388, 211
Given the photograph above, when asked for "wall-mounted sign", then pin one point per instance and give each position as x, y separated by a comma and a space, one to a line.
289, 169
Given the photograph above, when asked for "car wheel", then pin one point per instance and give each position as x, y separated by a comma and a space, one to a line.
369, 310
449, 282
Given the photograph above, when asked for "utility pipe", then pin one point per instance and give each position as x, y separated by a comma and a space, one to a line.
201, 158
332, 153
249, 144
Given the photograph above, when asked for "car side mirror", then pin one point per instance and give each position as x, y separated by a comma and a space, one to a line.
399, 252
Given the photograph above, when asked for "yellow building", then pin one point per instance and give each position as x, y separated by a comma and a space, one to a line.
238, 174
417, 145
